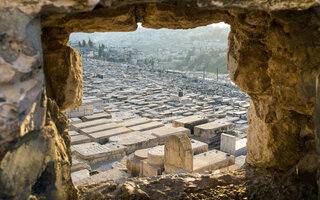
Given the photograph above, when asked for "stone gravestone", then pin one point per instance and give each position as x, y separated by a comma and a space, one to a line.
228, 143
180, 93
178, 153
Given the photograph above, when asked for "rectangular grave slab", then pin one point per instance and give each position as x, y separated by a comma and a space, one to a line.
147, 169
135, 122
77, 165
240, 161
212, 129
147, 126
240, 114
228, 143
139, 142
189, 122
198, 146
98, 128
89, 124
156, 154
212, 160
93, 152
233, 145
75, 120
163, 132
97, 103
124, 136
116, 175
135, 140
86, 108
79, 139
79, 175
103, 136
241, 147
97, 116
73, 133
133, 166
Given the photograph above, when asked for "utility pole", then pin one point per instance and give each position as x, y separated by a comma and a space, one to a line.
204, 72
217, 74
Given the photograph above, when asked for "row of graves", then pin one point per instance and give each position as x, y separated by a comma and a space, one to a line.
166, 96
117, 145
128, 115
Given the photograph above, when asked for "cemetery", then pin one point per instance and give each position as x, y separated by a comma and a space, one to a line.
145, 122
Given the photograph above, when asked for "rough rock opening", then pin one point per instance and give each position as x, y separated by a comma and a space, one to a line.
273, 56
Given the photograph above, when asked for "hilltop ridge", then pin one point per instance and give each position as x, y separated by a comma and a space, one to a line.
190, 49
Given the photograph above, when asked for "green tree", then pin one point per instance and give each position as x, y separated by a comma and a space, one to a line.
79, 43
101, 50
90, 43
83, 43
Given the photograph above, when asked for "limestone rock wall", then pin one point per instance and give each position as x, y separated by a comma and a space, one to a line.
38, 166
273, 56
63, 69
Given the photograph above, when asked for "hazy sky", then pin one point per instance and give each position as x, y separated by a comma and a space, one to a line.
221, 24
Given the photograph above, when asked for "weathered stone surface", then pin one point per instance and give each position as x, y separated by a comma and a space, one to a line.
97, 116
39, 156
212, 160
147, 169
156, 154
190, 122
317, 126
100, 20
94, 153
79, 139
99, 128
133, 164
86, 108
113, 174
228, 143
283, 87
137, 141
79, 175
159, 16
163, 132
198, 146
63, 71
22, 79
103, 136
211, 129
178, 153
135, 122
78, 165
89, 124
7, 72
147, 126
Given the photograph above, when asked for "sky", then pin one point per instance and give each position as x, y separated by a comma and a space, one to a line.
220, 25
